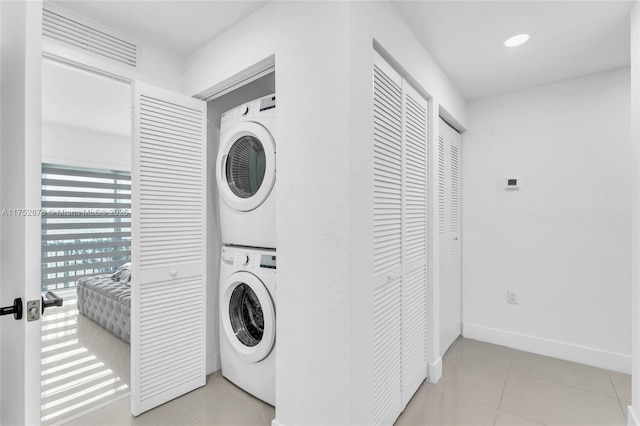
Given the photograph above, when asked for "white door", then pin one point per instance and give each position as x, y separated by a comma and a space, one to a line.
168, 349
387, 243
400, 241
449, 173
20, 204
414, 243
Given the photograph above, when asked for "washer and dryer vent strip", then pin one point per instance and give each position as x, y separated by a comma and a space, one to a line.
267, 103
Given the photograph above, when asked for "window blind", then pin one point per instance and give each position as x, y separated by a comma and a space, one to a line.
86, 223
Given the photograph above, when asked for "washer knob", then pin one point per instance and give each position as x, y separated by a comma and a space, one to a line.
244, 259
245, 110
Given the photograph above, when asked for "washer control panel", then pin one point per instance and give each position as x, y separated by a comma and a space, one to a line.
248, 258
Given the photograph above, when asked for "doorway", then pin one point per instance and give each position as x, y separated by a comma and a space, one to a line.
86, 238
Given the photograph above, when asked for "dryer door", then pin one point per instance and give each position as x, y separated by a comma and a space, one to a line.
246, 166
248, 316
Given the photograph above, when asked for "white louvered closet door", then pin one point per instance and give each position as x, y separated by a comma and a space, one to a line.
400, 242
168, 349
414, 225
449, 180
387, 249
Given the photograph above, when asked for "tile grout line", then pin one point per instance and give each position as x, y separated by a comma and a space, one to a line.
504, 387
524, 373
624, 413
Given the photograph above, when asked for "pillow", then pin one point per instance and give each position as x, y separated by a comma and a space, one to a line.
123, 274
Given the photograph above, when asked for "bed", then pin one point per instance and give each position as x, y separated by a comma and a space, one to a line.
106, 299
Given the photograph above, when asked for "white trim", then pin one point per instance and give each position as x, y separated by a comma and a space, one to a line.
434, 371
88, 62
253, 72
562, 350
632, 418
275, 422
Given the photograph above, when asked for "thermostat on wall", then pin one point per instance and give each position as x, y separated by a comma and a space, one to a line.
512, 183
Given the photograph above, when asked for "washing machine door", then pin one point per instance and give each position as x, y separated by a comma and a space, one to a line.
248, 316
246, 166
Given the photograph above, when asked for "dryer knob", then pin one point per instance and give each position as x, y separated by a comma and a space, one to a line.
245, 110
244, 259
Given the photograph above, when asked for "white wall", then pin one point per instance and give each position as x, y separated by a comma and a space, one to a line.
312, 197
563, 240
325, 195
215, 108
634, 410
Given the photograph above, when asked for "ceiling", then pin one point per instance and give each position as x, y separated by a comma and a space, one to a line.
568, 38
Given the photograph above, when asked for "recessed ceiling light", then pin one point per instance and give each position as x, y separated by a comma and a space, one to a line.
516, 40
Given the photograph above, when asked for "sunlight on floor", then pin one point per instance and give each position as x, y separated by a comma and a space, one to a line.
84, 367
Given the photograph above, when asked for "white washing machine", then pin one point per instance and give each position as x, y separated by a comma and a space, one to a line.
246, 174
248, 320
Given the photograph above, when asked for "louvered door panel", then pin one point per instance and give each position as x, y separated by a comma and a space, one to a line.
454, 200
414, 242
415, 176
387, 373
414, 343
168, 247
450, 162
442, 205
387, 169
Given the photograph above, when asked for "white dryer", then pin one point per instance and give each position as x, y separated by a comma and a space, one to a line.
246, 174
248, 320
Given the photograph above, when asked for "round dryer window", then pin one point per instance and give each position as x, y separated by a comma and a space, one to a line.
245, 166
246, 316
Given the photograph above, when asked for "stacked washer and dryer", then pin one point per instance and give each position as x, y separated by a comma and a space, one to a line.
246, 174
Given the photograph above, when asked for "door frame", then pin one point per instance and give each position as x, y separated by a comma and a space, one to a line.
20, 195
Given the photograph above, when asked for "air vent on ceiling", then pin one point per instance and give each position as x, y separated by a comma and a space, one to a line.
83, 36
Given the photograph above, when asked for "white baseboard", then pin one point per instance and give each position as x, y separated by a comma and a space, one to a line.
213, 363
566, 351
632, 419
434, 371
275, 422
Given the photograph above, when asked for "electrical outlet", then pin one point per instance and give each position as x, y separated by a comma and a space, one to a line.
512, 297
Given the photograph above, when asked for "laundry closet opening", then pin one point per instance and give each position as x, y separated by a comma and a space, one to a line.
244, 187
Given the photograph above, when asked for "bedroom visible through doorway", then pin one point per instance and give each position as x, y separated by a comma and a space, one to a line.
86, 238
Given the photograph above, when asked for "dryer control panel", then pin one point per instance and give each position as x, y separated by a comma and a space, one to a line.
258, 108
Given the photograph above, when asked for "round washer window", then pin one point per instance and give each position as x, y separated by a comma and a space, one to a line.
246, 165
245, 312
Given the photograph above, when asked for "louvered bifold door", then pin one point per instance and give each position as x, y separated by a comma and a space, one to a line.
168, 350
414, 265
387, 249
449, 179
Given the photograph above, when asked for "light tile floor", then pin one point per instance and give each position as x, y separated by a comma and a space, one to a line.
482, 384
